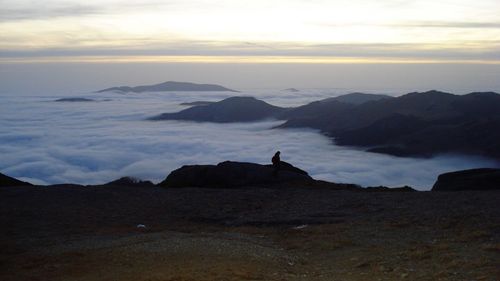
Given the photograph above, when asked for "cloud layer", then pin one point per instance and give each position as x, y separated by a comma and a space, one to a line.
94, 142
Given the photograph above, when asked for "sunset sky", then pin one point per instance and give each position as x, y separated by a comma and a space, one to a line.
464, 30
258, 31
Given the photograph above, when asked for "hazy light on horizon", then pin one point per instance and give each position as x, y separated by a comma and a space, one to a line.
454, 45
462, 30
241, 60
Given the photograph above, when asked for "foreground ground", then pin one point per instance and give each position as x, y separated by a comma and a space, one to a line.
91, 233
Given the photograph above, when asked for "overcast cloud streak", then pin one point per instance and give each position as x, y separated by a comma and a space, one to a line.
487, 51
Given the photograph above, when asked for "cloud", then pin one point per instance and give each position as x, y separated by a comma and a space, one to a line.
303, 29
92, 143
447, 24
418, 24
473, 51
34, 12
19, 10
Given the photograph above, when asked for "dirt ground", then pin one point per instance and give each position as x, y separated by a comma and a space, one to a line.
92, 233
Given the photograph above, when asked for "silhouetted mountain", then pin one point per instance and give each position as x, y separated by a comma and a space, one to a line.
234, 109
415, 124
170, 86
319, 114
315, 114
130, 181
427, 105
292, 90
233, 174
389, 189
74, 100
382, 130
474, 179
358, 98
9, 181
475, 137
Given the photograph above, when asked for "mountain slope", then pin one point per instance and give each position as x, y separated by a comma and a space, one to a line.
234, 109
9, 181
415, 124
424, 124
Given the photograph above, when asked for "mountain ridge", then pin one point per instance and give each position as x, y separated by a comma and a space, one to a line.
170, 86
419, 124
233, 109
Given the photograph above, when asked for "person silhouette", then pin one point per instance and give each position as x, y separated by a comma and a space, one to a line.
276, 163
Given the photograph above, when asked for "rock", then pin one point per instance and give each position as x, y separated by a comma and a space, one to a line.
233, 174
474, 179
130, 181
8, 181
289, 167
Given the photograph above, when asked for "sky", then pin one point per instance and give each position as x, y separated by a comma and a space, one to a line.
58, 48
70, 33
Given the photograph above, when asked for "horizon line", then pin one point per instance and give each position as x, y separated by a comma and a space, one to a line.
242, 60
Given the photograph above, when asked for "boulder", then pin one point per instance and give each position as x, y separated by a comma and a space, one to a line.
8, 181
233, 174
474, 179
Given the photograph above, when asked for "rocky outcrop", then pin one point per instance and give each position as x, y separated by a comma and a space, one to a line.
474, 179
170, 86
233, 174
9, 181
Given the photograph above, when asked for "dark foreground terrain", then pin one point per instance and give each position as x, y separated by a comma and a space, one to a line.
308, 233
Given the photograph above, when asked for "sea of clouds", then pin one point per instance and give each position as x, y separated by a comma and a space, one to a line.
47, 142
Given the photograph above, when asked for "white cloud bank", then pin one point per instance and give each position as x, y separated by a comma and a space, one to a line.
95, 142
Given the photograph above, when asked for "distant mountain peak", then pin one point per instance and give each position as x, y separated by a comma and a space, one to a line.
170, 86
430, 93
241, 98
483, 94
357, 98
232, 109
